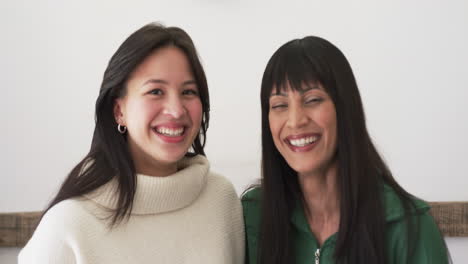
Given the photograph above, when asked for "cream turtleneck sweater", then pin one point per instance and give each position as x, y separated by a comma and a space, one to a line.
192, 216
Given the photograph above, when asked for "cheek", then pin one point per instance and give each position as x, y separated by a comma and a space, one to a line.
275, 127
271, 123
141, 111
328, 123
195, 111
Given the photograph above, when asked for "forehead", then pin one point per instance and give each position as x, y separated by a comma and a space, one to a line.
168, 60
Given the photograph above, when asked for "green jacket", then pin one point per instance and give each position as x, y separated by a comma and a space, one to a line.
430, 246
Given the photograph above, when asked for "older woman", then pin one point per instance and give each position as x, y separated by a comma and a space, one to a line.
139, 196
326, 195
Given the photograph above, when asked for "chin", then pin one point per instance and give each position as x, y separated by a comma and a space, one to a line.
171, 157
302, 170
312, 168
303, 166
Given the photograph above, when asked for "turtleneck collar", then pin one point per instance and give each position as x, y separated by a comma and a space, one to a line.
160, 194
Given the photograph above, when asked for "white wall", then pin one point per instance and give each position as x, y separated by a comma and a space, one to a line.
409, 58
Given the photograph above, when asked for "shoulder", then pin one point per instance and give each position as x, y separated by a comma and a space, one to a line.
395, 208
251, 207
220, 201
413, 225
73, 213
217, 183
64, 215
219, 180
219, 192
66, 220
424, 238
251, 196
54, 236
430, 246
251, 200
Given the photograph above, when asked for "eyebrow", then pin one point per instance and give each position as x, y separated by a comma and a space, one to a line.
308, 88
159, 81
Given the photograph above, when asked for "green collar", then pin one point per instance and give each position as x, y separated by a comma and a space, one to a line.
393, 209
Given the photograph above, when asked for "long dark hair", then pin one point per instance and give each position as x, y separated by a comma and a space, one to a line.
109, 156
361, 170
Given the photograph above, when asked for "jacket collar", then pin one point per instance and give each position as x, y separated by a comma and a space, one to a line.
393, 209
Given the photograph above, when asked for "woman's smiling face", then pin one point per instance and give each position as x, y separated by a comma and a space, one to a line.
303, 125
161, 110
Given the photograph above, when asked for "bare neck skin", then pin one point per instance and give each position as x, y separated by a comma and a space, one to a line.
321, 199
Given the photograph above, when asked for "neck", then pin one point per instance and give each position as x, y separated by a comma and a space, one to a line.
320, 194
147, 165
156, 170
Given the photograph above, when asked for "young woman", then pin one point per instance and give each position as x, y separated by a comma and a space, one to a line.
326, 195
139, 196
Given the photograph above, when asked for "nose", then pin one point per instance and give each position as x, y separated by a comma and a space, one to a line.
297, 117
174, 107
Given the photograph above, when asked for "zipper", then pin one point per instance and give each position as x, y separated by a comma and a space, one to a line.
317, 256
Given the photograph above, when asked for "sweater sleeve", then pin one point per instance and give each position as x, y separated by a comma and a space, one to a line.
430, 247
49, 242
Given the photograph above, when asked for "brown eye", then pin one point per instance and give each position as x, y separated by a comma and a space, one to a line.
156, 92
190, 92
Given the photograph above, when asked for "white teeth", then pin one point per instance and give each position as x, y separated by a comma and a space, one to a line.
303, 141
170, 132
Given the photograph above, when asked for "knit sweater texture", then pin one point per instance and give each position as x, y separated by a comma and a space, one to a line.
192, 216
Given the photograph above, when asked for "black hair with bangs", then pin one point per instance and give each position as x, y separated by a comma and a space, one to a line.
361, 170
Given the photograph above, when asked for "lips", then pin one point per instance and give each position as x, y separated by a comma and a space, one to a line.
302, 142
